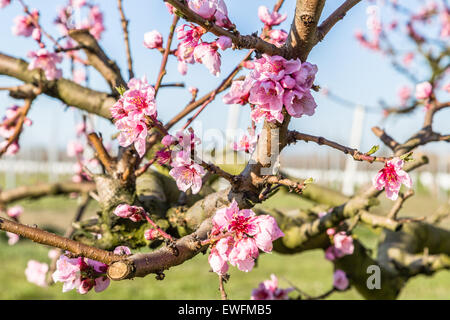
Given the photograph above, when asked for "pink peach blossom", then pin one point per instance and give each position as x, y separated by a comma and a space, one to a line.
423, 90
45, 60
126, 211
79, 75
36, 273
259, 114
15, 212
74, 148
95, 22
243, 254
245, 234
391, 177
404, 94
4, 3
270, 19
132, 131
269, 290
12, 149
24, 25
340, 280
67, 271
278, 37
12, 238
153, 39
446, 87
81, 274
298, 103
204, 8
224, 42
122, 250
151, 234
36, 34
239, 92
268, 95
343, 243
206, 53
186, 173
246, 143
221, 15
219, 255
408, 58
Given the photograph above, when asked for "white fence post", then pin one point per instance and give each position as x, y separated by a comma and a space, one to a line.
348, 184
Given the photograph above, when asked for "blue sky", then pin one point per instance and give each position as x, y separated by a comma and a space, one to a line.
344, 66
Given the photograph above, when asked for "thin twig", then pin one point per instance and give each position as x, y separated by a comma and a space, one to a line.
357, 155
162, 69
126, 39
223, 294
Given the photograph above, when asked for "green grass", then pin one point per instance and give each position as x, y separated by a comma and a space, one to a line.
309, 271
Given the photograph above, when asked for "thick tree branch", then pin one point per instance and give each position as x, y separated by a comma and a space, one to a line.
67, 91
98, 58
51, 239
42, 190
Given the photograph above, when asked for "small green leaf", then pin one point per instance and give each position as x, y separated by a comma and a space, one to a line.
407, 156
121, 90
373, 150
180, 14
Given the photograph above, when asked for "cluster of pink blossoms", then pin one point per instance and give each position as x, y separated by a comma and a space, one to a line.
241, 233
246, 143
275, 82
192, 49
186, 172
391, 177
375, 28
136, 214
47, 61
213, 10
132, 113
81, 274
8, 126
269, 290
342, 245
75, 148
277, 37
67, 15
26, 25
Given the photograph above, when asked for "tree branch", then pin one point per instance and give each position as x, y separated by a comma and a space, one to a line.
124, 22
294, 136
337, 15
98, 58
42, 190
65, 90
241, 42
